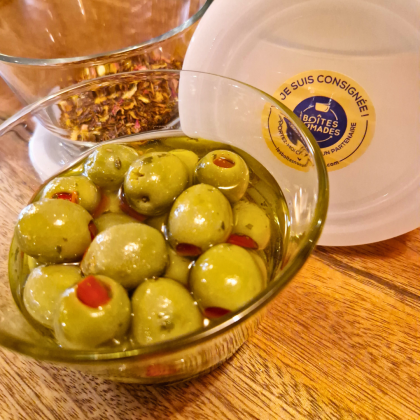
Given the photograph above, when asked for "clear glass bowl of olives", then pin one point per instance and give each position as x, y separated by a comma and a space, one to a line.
151, 257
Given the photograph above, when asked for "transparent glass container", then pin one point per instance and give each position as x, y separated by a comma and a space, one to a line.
48, 45
204, 106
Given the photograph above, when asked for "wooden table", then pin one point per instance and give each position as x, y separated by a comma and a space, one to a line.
341, 342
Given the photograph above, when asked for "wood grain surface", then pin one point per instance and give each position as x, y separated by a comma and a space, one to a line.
341, 342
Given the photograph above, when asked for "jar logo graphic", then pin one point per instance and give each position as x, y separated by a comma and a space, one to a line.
336, 110
325, 118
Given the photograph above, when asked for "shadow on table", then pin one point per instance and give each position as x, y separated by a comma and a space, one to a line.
391, 248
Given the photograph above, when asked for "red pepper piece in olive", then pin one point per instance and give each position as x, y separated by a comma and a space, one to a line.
92, 292
76, 189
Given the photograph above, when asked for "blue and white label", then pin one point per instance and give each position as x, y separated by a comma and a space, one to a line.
325, 118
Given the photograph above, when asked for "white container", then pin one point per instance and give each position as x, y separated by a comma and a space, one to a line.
351, 70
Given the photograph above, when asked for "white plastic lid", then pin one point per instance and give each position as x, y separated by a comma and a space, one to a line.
351, 70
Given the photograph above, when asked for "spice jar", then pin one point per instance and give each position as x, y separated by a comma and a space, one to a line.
47, 48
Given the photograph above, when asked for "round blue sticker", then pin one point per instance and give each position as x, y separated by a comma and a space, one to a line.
325, 118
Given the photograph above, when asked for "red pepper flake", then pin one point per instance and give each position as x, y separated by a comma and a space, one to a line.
160, 370
131, 212
243, 241
223, 162
215, 312
188, 250
124, 206
173, 86
136, 127
92, 292
72, 197
84, 255
62, 196
92, 229
115, 109
102, 206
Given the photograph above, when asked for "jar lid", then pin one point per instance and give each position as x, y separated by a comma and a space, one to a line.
350, 71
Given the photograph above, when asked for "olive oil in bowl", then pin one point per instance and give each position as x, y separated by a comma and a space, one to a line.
262, 194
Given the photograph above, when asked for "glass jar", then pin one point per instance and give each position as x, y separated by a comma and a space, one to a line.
210, 107
47, 46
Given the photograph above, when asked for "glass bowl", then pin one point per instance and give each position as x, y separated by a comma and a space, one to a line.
46, 47
204, 106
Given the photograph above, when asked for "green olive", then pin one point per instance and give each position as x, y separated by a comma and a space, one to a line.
80, 326
159, 222
252, 221
44, 287
76, 170
200, 145
108, 164
226, 171
84, 191
190, 160
163, 309
31, 262
128, 253
54, 231
110, 202
261, 261
154, 181
106, 220
201, 216
226, 276
178, 268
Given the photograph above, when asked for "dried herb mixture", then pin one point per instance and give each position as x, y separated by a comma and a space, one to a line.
125, 108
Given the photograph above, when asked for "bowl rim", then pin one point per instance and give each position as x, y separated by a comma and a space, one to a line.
106, 56
227, 322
